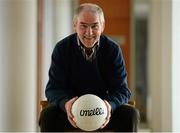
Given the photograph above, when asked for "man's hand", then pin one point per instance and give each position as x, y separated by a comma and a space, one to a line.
68, 106
108, 114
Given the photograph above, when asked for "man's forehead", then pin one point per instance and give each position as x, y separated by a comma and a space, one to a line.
88, 12
85, 23
88, 18
89, 8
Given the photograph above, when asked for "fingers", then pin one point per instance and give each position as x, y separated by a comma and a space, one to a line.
68, 107
106, 122
108, 114
72, 122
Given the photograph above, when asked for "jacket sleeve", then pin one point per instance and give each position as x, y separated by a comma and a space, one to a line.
118, 91
56, 89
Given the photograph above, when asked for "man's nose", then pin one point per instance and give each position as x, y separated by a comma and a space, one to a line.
89, 31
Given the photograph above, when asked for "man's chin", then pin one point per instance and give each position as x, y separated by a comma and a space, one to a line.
88, 45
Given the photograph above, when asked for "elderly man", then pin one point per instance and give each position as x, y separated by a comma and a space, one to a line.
88, 62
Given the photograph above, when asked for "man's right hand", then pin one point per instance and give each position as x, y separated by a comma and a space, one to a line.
68, 107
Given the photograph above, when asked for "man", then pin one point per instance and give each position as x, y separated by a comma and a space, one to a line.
88, 62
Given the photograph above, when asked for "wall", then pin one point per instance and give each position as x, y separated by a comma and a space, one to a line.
163, 66
18, 69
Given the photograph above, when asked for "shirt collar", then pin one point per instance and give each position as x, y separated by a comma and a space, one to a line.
94, 50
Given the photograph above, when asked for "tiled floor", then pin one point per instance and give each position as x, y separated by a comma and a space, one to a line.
144, 128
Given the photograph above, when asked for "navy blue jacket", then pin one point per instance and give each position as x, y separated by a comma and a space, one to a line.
70, 74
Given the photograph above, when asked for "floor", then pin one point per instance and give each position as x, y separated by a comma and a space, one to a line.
144, 128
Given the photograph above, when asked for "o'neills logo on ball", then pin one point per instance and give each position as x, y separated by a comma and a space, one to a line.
96, 111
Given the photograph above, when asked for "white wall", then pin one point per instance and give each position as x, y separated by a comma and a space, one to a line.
48, 40
18, 58
160, 65
163, 65
176, 65
58, 24
64, 15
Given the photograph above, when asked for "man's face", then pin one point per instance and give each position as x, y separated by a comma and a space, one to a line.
89, 28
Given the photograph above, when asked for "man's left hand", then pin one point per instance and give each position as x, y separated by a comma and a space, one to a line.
108, 114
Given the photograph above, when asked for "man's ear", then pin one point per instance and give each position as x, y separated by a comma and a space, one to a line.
74, 25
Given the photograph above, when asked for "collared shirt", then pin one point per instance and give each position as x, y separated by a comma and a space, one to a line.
89, 54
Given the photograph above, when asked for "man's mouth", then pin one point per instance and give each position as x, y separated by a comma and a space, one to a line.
89, 38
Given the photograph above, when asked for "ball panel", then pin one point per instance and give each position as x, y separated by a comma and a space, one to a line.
90, 112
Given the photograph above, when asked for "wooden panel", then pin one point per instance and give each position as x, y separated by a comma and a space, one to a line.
112, 8
40, 30
122, 26
117, 17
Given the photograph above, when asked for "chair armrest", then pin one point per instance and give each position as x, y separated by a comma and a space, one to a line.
43, 104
